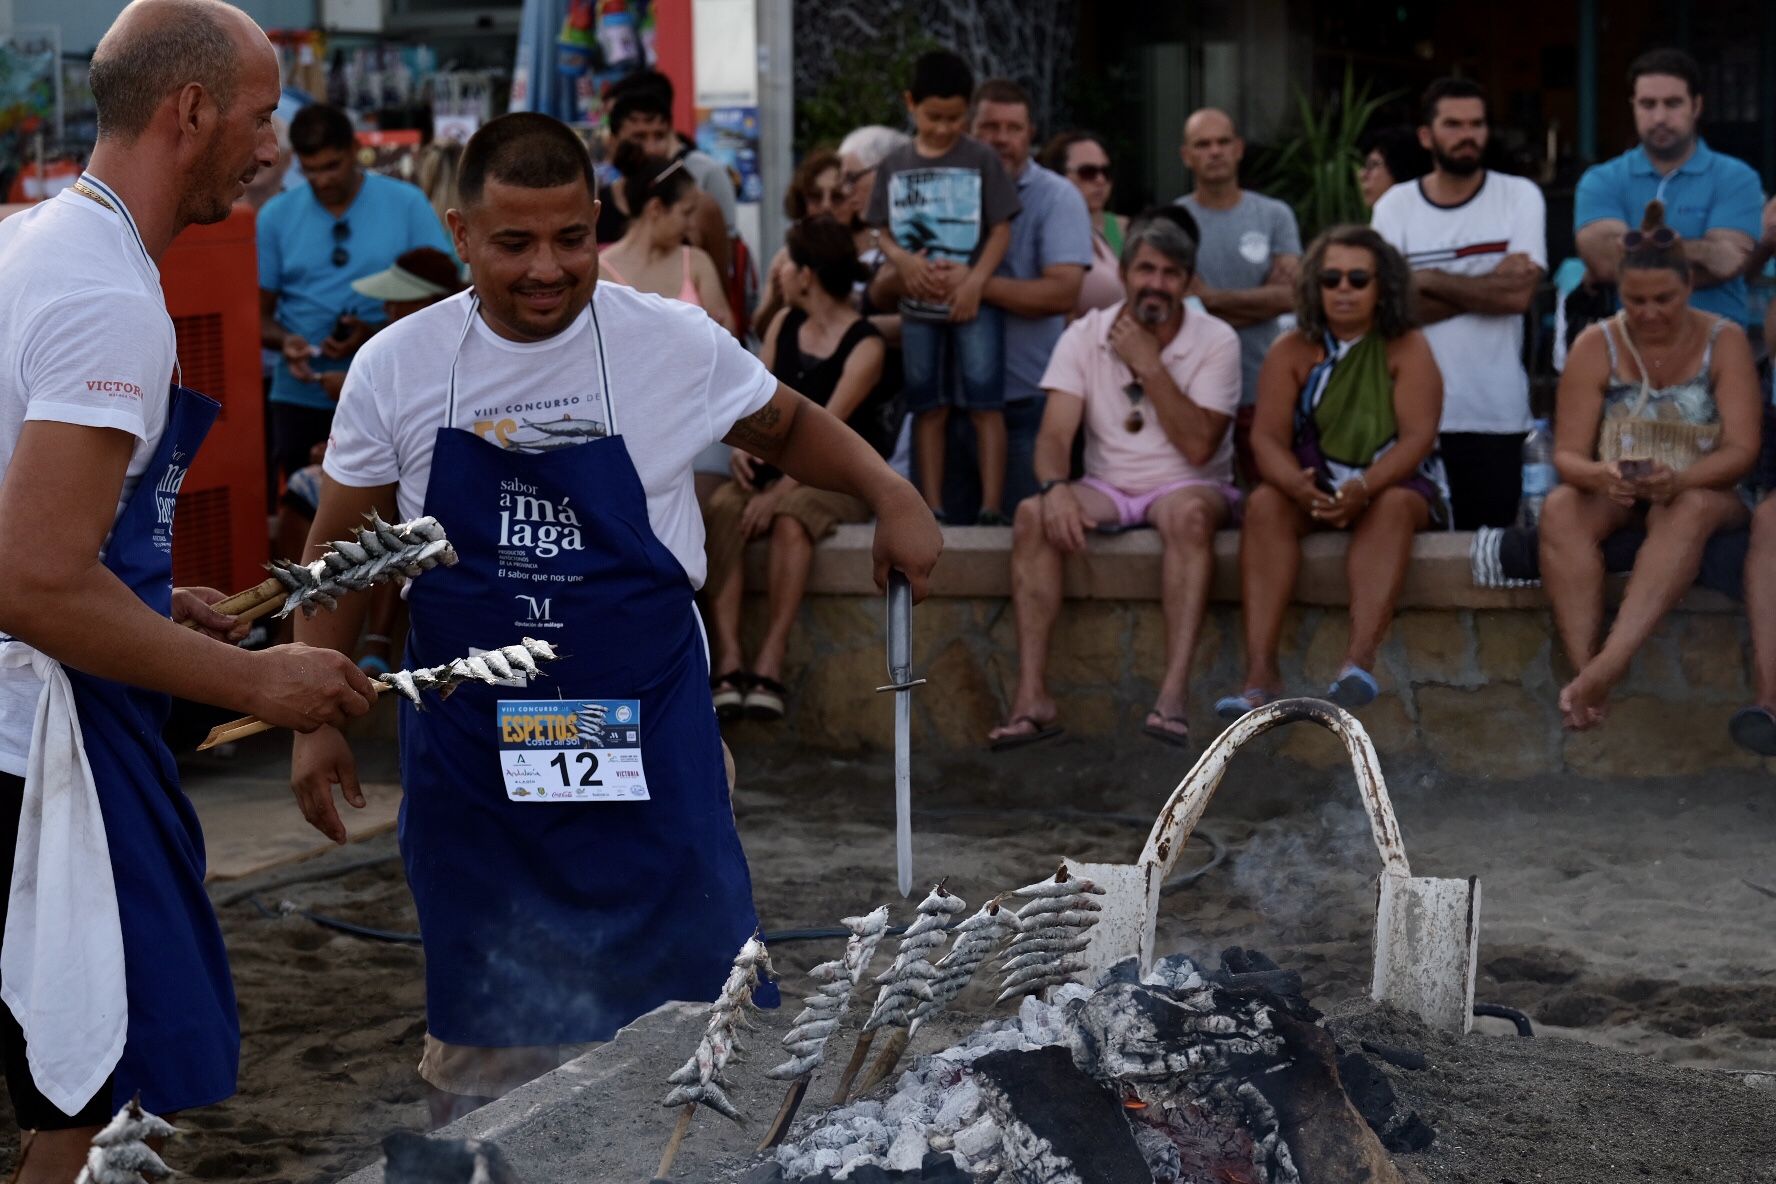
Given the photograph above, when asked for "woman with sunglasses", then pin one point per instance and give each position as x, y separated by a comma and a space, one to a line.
817, 188
1082, 158
1345, 438
1657, 423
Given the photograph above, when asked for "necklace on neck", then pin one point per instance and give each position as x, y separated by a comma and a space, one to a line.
87, 191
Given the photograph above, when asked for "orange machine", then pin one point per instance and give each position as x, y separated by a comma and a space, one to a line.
211, 278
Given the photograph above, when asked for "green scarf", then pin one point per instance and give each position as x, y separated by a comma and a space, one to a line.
1113, 233
1355, 414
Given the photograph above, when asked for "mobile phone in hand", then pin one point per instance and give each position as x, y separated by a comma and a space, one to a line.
1634, 468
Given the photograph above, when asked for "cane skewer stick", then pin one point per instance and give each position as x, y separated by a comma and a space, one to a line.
820, 1016
381, 553
907, 981
977, 939
699, 1080
491, 667
678, 1137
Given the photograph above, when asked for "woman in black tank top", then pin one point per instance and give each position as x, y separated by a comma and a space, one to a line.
820, 347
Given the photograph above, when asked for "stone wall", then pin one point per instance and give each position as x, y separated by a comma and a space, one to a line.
1467, 689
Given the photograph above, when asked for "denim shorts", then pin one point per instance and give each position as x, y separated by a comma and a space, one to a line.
960, 365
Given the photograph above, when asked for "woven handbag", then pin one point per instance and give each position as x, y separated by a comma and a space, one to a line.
1673, 443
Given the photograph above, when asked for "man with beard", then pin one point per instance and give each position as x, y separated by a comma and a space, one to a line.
1154, 388
112, 968
1712, 201
565, 884
314, 241
1476, 241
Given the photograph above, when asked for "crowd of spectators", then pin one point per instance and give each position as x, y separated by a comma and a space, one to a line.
1032, 358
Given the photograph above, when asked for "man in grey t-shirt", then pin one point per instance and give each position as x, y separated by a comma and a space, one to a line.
1250, 252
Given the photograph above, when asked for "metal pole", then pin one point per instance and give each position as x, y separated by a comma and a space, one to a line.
776, 90
1587, 80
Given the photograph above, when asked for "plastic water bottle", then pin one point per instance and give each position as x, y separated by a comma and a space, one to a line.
1539, 477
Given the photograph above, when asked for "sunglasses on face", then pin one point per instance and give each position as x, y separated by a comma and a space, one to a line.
1092, 172
827, 197
1664, 236
1332, 277
341, 231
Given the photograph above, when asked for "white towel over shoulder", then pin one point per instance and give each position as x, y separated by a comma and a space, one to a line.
61, 960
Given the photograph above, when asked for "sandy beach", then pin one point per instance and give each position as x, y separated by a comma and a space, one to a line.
1634, 915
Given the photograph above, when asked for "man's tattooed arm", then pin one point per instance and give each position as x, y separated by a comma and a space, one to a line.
763, 432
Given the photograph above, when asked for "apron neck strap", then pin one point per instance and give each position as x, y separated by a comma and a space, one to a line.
604, 386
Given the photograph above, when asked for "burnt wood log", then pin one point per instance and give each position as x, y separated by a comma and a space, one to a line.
1057, 1124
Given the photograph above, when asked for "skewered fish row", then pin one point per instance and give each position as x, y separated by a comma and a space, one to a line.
822, 1010
699, 1080
120, 1152
977, 940
491, 667
382, 552
1050, 933
908, 981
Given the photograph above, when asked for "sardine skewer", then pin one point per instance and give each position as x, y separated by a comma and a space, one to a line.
120, 1152
820, 1016
699, 1080
382, 552
977, 939
522, 657
1050, 930
906, 982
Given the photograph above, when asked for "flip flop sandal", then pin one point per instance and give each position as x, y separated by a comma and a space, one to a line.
1038, 733
374, 666
1233, 706
1167, 735
765, 698
729, 692
1355, 688
1754, 728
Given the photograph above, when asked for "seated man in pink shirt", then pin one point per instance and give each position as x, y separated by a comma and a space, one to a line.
1155, 389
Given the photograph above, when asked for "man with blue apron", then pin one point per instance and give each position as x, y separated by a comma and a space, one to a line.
568, 838
112, 966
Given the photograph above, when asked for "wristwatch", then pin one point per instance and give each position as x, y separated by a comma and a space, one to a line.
1048, 485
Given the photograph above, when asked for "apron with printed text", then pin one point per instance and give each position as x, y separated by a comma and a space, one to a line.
183, 1043
557, 922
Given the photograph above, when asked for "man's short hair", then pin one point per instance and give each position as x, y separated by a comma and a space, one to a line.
1004, 90
526, 149
1164, 236
940, 74
318, 127
645, 102
133, 72
1674, 62
1447, 88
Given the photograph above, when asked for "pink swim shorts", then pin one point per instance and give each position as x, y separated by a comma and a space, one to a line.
1131, 508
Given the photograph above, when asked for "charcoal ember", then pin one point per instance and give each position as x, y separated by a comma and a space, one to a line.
1372, 1094
1400, 1058
1202, 1140
415, 1159
1243, 969
1130, 1032
937, 1168
1057, 1125
1315, 1117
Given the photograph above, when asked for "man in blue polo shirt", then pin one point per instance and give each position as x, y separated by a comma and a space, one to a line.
1713, 201
1037, 286
314, 240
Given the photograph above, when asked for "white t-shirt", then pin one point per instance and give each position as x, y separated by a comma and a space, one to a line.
679, 383
84, 339
1485, 388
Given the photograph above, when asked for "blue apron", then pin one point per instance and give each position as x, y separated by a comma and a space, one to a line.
559, 922
183, 1044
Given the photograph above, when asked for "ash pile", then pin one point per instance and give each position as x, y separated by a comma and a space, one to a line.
1191, 1075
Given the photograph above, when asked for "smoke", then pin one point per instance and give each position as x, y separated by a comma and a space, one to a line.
1309, 874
